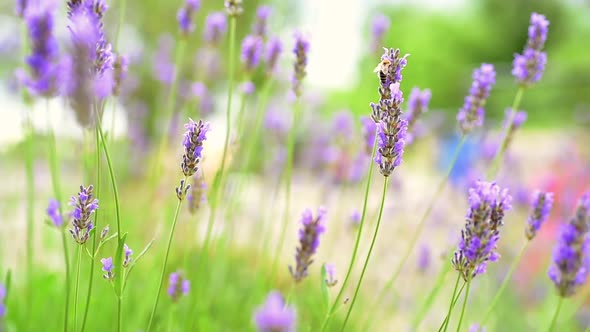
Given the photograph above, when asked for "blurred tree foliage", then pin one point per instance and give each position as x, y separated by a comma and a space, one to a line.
445, 47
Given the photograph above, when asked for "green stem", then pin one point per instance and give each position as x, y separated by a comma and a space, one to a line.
94, 249
163, 273
455, 301
287, 177
451, 305
356, 244
358, 285
30, 206
554, 319
54, 170
441, 186
431, 296
464, 304
120, 312
218, 182
76, 287
504, 284
498, 157
169, 109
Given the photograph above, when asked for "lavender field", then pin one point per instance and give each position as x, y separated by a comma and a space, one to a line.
294, 166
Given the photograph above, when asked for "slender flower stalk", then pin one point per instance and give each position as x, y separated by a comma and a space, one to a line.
195, 134
464, 304
300, 50
555, 315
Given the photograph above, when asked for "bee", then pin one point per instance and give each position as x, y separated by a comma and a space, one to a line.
382, 69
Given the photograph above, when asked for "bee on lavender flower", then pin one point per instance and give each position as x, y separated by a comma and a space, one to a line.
382, 69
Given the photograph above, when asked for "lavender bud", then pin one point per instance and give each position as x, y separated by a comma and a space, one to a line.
54, 214
472, 113
185, 16
215, 27
251, 52
389, 71
182, 190
128, 252
248, 88
476, 328
529, 66
2, 300
233, 7
43, 61
84, 206
355, 218
571, 256
391, 133
178, 286
274, 316
107, 267
104, 233
309, 240
274, 47
331, 280
424, 258
194, 137
379, 27
487, 204
260, 24
301, 49
541, 206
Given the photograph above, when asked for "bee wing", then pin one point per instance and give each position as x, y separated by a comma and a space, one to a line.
377, 69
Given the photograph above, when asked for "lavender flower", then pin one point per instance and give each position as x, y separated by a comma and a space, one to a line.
309, 240
89, 71
215, 27
2, 299
273, 49
355, 217
301, 49
247, 88
331, 280
128, 252
20, 7
379, 27
487, 205
251, 52
273, 316
571, 257
233, 7
178, 286
529, 66
197, 193
196, 133
424, 258
389, 72
343, 126
541, 206
476, 328
107, 267
369, 128
43, 61
84, 206
261, 22
391, 133
417, 105
185, 16
162, 65
104, 232
54, 214
472, 113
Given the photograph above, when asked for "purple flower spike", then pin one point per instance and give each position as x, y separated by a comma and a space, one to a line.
215, 27
84, 206
195, 135
379, 27
472, 113
301, 49
177, 286
309, 240
541, 206
53, 213
571, 256
417, 105
389, 71
274, 47
2, 299
43, 61
391, 134
273, 316
251, 52
529, 66
185, 16
260, 24
487, 205
107, 267
331, 280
